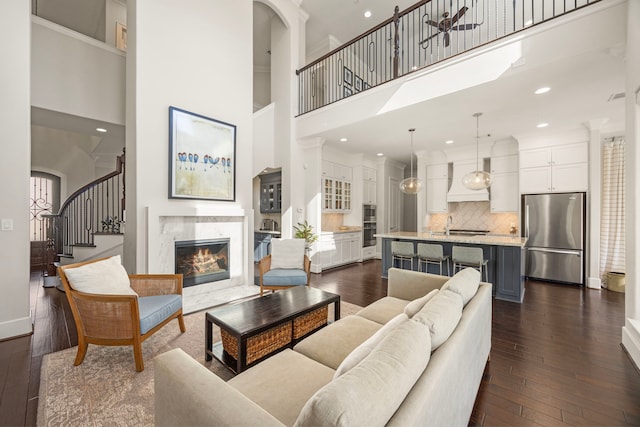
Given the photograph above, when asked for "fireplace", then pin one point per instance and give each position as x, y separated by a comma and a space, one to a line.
202, 261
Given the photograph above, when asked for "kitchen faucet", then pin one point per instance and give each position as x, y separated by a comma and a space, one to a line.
449, 222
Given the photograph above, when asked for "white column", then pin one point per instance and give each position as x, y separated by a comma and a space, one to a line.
421, 207
15, 167
595, 201
631, 329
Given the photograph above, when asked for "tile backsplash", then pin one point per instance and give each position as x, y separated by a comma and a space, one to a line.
476, 216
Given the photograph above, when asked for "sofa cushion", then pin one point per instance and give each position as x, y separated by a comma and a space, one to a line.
264, 384
285, 277
464, 283
416, 305
287, 253
366, 347
333, 343
383, 310
106, 277
156, 308
371, 392
441, 314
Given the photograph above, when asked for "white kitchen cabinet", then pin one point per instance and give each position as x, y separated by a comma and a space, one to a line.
504, 192
369, 186
339, 249
336, 170
555, 169
369, 174
437, 187
504, 186
336, 187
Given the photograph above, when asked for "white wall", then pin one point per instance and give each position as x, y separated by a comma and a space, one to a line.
195, 55
76, 74
15, 111
631, 330
60, 151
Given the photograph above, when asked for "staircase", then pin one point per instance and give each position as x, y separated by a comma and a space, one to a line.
90, 222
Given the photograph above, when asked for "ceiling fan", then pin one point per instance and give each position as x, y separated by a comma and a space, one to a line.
447, 24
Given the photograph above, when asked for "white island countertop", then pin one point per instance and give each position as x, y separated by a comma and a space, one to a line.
489, 239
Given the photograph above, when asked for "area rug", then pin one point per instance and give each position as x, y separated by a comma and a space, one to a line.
105, 390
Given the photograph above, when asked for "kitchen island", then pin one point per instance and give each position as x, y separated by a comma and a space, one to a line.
505, 257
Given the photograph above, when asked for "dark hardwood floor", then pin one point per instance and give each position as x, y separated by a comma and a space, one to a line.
556, 359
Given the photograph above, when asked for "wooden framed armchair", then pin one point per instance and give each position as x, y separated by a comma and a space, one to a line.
286, 266
107, 313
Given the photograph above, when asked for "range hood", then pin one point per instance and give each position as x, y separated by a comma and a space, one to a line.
460, 193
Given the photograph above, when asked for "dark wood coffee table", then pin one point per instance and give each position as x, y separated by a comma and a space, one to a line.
258, 328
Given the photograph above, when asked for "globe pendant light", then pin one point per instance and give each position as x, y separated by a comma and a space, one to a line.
411, 185
478, 179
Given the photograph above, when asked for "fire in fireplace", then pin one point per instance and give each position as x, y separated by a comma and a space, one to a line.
202, 261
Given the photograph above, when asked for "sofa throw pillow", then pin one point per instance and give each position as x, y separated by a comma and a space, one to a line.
363, 350
416, 305
441, 314
107, 277
287, 253
371, 392
464, 283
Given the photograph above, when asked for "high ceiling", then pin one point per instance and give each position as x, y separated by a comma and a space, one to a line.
582, 63
581, 58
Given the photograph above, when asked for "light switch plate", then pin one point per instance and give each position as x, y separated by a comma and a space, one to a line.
7, 224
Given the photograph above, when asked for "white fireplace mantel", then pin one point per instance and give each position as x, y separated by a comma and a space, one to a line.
168, 224
154, 224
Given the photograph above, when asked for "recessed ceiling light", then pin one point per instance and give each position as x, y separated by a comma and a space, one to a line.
415, 67
529, 22
343, 139
542, 90
101, 129
367, 14
449, 141
380, 154
542, 125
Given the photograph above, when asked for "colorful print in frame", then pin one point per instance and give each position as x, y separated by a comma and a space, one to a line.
201, 157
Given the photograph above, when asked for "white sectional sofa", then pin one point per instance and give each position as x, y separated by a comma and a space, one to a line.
413, 358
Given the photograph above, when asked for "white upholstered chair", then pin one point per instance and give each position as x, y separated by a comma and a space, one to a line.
286, 266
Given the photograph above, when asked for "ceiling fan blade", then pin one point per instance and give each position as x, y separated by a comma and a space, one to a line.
464, 27
429, 38
432, 23
446, 39
458, 15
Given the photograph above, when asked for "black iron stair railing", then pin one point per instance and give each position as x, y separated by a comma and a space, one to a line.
96, 207
424, 34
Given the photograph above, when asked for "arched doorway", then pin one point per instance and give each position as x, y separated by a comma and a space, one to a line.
44, 199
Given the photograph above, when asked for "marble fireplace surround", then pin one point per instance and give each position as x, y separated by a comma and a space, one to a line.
167, 225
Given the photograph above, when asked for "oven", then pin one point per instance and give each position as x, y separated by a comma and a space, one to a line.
368, 225
369, 213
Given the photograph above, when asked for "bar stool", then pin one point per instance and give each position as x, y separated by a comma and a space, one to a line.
464, 256
402, 251
432, 254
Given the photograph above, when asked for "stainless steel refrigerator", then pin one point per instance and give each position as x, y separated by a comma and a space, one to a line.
555, 227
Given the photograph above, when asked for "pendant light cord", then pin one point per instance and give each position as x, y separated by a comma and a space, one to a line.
411, 154
477, 116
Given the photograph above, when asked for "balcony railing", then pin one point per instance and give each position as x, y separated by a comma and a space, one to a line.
422, 35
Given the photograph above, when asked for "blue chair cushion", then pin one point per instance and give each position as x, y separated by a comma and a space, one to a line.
155, 309
285, 277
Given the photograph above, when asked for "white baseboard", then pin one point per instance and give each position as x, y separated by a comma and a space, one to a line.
16, 328
594, 283
631, 340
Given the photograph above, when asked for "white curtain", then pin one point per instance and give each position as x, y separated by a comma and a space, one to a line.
612, 220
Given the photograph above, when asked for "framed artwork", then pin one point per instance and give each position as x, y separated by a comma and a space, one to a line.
202, 156
346, 91
121, 36
358, 85
348, 76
